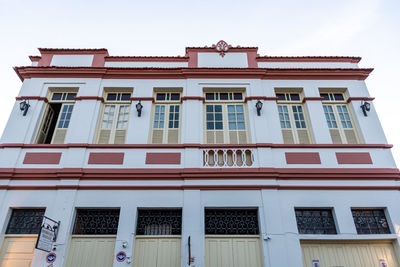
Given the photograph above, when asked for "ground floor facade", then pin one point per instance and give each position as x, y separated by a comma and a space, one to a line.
211, 228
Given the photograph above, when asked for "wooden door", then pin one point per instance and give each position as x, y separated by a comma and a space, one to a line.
17, 251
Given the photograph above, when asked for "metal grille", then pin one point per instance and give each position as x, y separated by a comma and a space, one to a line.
370, 221
25, 221
96, 222
159, 222
313, 221
231, 221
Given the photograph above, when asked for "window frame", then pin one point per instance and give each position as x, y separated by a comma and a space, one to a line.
289, 103
335, 104
320, 209
225, 112
167, 104
117, 104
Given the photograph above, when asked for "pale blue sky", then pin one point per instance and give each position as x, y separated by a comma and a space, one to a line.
366, 28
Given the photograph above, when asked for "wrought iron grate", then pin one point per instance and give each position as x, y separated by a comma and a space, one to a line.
25, 221
96, 222
231, 221
315, 221
370, 221
159, 222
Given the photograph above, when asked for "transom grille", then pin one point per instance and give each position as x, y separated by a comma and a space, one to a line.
315, 221
159, 222
96, 222
25, 221
370, 221
231, 221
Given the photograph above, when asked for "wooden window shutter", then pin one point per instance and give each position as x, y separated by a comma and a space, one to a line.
119, 137
157, 137
233, 137
210, 137
173, 136
104, 136
335, 135
351, 136
287, 136
242, 137
303, 136
59, 136
219, 137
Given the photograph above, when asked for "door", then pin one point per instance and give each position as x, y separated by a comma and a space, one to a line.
91, 251
349, 254
233, 251
17, 250
161, 251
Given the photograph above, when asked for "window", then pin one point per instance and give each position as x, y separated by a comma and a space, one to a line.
25, 221
337, 114
166, 118
159, 222
56, 119
370, 221
231, 221
315, 221
225, 119
292, 119
115, 117
96, 222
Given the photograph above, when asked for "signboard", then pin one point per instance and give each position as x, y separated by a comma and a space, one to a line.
121, 256
383, 263
316, 263
51, 257
48, 234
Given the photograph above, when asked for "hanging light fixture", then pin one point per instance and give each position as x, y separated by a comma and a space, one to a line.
259, 105
365, 106
24, 106
139, 108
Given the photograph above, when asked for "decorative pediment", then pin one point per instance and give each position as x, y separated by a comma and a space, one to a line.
222, 47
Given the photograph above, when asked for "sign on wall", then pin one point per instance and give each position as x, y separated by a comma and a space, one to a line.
383, 263
48, 234
316, 263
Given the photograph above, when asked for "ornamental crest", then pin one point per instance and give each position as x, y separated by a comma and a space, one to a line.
222, 47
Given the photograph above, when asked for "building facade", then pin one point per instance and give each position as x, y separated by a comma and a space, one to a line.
218, 158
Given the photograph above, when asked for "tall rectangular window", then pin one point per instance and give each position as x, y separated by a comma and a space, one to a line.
57, 117
292, 118
338, 117
166, 118
115, 117
225, 118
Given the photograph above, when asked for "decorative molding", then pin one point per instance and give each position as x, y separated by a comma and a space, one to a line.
353, 158
142, 99
199, 98
146, 59
73, 51
222, 47
309, 59
189, 145
163, 158
360, 98
38, 98
35, 58
265, 98
106, 158
302, 158
185, 73
312, 99
42, 158
97, 98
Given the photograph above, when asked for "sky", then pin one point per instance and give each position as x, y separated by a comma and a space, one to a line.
366, 28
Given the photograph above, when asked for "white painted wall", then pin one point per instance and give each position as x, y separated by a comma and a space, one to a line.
72, 60
215, 60
146, 64
307, 65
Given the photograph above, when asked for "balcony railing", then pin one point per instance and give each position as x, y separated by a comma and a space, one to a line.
226, 158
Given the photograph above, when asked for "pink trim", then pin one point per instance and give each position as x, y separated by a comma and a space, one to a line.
163, 158
97, 98
38, 98
35, 58
193, 59
302, 158
98, 60
45, 60
188, 145
73, 51
251, 59
309, 59
236, 49
146, 59
200, 173
42, 158
360, 98
106, 158
353, 158
199, 98
312, 99
184, 73
265, 98
142, 99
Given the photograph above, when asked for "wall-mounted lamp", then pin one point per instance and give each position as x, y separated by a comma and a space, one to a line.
365, 106
259, 105
139, 107
24, 106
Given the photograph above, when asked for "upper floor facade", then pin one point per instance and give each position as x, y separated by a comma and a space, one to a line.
218, 106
